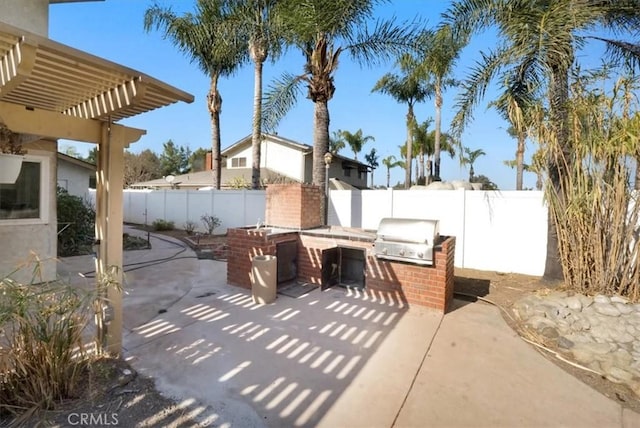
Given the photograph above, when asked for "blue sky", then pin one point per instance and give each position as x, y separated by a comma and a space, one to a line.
113, 29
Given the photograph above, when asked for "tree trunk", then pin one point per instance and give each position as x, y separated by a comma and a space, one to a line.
256, 136
438, 121
421, 164
520, 160
214, 101
410, 119
320, 147
558, 164
388, 176
471, 173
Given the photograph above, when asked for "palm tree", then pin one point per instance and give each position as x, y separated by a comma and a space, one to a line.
372, 161
336, 143
258, 22
323, 31
199, 36
390, 162
421, 143
469, 158
441, 53
516, 105
355, 141
541, 36
407, 88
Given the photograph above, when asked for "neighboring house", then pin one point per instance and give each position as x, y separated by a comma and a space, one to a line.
281, 160
76, 176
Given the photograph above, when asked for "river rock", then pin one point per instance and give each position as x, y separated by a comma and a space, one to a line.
539, 322
617, 375
624, 308
585, 300
600, 298
619, 299
565, 343
550, 333
606, 309
574, 303
601, 332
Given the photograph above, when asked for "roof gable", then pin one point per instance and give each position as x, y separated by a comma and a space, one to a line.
245, 142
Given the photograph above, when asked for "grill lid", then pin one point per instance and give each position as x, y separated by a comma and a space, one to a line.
409, 230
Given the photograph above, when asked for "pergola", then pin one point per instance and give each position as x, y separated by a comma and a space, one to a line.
51, 90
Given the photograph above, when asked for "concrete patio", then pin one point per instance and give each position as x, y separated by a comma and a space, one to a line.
336, 358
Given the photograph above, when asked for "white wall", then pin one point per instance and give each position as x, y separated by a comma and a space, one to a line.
504, 231
234, 208
74, 178
277, 157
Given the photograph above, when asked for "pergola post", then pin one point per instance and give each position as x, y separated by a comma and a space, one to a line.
109, 229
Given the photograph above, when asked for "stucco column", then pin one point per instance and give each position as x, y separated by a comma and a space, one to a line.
109, 228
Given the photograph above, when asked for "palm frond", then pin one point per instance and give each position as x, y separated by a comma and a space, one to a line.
386, 41
279, 98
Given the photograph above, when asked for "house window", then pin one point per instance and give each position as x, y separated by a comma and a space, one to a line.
347, 172
24, 202
238, 162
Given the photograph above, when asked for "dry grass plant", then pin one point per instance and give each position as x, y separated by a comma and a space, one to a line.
594, 205
42, 326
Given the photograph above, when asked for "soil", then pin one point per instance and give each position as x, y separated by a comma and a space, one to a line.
136, 403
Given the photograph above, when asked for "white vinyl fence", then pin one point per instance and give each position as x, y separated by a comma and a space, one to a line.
504, 231
234, 208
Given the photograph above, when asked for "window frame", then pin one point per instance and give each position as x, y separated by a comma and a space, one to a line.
239, 158
45, 192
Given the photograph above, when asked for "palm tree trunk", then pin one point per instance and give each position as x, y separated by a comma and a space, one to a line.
320, 140
438, 121
388, 176
320, 147
520, 160
214, 101
421, 164
558, 164
256, 136
410, 120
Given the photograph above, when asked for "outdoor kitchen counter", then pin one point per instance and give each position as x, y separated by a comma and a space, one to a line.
334, 232
350, 234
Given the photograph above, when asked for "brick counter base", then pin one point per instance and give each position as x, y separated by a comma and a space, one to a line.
430, 286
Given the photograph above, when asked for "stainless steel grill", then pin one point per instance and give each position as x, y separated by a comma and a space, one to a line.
407, 240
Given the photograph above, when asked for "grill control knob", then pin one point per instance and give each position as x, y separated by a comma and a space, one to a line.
402, 252
420, 255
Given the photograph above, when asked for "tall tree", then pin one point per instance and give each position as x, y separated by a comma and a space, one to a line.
372, 161
174, 159
424, 144
92, 157
442, 50
408, 88
517, 105
355, 141
390, 162
259, 23
140, 167
469, 158
211, 46
324, 30
543, 36
336, 143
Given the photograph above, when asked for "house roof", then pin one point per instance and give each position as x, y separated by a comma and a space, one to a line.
38, 73
75, 161
238, 145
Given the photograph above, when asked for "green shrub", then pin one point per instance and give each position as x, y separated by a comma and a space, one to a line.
161, 224
210, 222
77, 225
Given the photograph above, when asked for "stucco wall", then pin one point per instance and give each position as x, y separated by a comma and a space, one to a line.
31, 15
20, 244
74, 178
